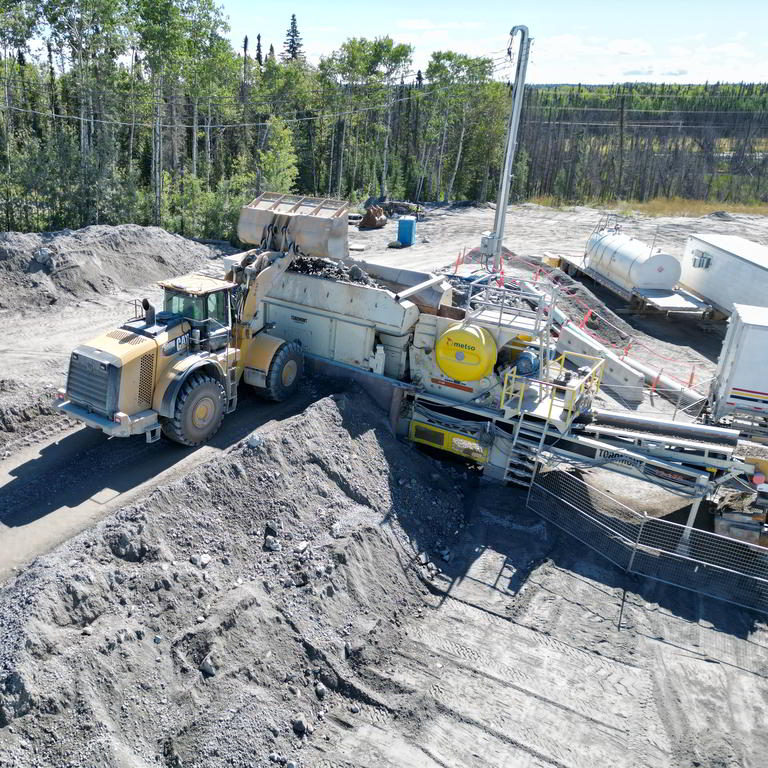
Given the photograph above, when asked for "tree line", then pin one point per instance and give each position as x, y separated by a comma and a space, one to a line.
640, 141
142, 110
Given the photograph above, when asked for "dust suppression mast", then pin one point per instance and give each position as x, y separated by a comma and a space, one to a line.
491, 243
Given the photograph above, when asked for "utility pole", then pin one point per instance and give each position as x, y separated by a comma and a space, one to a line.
622, 113
491, 242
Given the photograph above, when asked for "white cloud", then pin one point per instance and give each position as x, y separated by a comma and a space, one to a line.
320, 30
632, 47
428, 24
572, 58
415, 24
577, 56
734, 50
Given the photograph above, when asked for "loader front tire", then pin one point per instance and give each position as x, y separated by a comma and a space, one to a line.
199, 411
284, 372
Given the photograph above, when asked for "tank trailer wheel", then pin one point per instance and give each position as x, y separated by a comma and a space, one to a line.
199, 411
284, 372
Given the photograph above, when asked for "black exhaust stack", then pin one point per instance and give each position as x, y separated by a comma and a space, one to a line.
149, 312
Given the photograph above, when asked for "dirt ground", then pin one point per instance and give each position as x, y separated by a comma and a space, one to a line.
459, 630
323, 595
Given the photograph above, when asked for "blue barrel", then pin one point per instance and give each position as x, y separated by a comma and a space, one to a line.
406, 230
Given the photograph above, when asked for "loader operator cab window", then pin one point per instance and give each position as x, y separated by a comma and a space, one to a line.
207, 313
199, 309
189, 307
217, 309
217, 319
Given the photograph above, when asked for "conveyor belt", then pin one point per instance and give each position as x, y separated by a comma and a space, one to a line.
700, 432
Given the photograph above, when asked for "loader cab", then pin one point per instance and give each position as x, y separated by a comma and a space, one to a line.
205, 303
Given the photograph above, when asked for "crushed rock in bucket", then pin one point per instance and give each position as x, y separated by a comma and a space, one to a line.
330, 270
176, 633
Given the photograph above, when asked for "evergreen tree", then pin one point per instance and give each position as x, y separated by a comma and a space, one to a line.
245, 59
293, 45
177, 136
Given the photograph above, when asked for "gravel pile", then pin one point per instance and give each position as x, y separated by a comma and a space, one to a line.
221, 620
24, 412
40, 269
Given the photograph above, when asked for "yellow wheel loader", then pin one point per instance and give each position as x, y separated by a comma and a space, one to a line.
177, 370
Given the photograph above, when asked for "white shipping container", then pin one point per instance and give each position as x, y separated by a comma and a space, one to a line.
741, 381
725, 270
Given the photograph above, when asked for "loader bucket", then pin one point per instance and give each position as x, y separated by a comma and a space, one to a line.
316, 225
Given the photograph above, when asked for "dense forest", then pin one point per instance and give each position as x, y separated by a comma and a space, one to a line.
141, 110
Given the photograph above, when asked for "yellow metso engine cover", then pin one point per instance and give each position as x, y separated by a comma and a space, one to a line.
466, 352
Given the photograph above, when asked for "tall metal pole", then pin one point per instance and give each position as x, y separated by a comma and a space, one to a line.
492, 243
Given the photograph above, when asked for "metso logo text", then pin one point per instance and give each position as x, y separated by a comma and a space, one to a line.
462, 346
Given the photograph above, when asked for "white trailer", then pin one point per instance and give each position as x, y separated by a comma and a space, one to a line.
740, 387
724, 270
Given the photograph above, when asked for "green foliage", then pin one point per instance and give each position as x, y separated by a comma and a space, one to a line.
140, 110
278, 161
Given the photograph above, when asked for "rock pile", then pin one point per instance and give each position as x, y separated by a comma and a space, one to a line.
39, 269
220, 620
330, 270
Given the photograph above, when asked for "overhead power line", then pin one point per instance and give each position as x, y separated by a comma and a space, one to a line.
498, 64
244, 124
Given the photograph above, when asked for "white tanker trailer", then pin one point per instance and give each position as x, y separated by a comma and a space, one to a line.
641, 274
630, 263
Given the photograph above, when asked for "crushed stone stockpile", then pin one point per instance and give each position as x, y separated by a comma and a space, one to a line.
224, 619
23, 411
40, 269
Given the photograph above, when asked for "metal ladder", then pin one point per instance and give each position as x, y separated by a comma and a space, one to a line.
519, 469
231, 376
521, 459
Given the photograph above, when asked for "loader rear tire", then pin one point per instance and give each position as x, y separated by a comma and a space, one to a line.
199, 411
284, 372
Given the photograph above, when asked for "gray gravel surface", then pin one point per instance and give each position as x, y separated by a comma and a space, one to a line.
41, 269
173, 634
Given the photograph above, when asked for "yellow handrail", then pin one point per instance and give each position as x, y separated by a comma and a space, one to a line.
591, 381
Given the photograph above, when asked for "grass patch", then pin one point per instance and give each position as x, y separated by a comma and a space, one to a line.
662, 206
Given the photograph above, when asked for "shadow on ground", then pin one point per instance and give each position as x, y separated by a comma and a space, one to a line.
525, 546
86, 465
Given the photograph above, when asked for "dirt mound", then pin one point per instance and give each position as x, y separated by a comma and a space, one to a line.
42, 269
223, 619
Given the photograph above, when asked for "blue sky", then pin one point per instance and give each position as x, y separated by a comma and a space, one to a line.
576, 41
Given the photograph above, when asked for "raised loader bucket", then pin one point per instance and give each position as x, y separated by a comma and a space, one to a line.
318, 226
